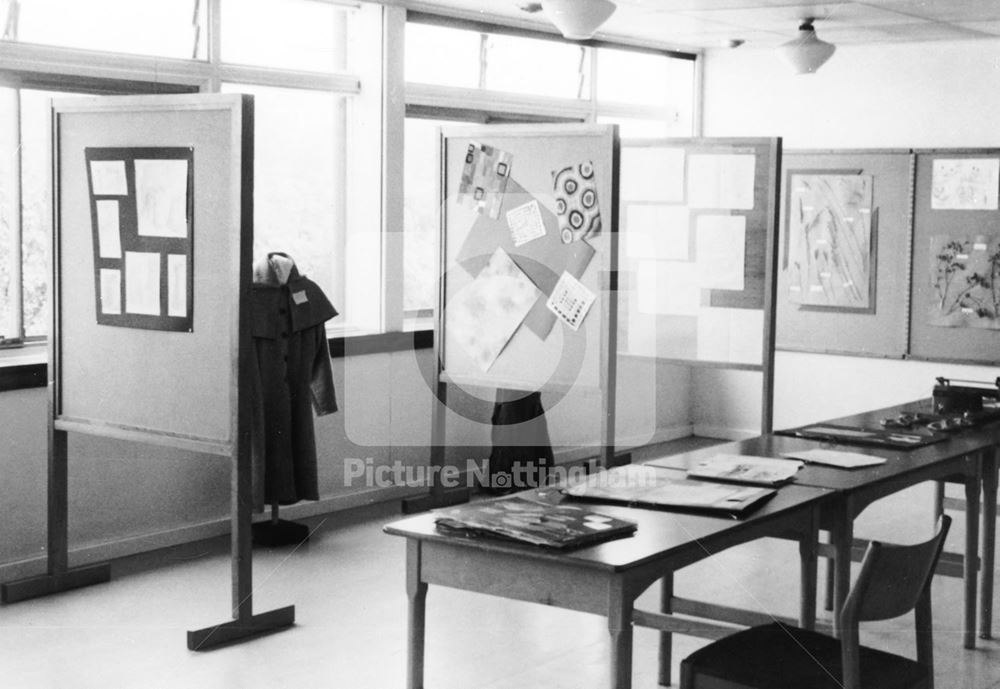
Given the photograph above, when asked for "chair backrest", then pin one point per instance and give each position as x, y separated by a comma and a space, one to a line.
893, 577
893, 580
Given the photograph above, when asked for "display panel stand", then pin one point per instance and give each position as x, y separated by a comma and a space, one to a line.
536, 154
101, 380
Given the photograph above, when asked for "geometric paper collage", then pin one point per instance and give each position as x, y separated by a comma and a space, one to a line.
141, 202
514, 230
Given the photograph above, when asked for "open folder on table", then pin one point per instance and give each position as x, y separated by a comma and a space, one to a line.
640, 485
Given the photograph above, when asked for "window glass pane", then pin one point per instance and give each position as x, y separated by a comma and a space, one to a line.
537, 67
36, 213
422, 217
165, 28
442, 56
680, 80
299, 180
292, 34
8, 213
632, 77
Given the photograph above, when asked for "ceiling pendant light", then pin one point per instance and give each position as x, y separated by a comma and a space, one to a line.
578, 19
806, 52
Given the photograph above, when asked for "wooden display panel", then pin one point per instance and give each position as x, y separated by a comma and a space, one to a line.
698, 225
551, 354
875, 322
955, 295
173, 388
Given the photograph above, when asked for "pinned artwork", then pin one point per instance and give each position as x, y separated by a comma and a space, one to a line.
486, 313
720, 245
526, 223
570, 300
965, 184
484, 178
965, 277
830, 222
142, 215
579, 213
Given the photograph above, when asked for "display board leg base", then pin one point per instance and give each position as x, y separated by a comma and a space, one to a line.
444, 498
239, 630
47, 584
273, 534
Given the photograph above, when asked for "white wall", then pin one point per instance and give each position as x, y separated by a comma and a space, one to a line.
129, 497
922, 95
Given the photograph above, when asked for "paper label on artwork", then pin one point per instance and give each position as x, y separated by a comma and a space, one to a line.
965, 281
485, 314
965, 184
829, 260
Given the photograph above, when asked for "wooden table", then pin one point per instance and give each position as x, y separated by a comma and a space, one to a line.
959, 458
604, 579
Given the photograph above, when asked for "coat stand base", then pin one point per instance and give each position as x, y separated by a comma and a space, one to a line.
275, 534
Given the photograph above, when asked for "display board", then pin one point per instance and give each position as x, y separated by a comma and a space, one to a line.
698, 225
529, 244
955, 292
149, 236
843, 278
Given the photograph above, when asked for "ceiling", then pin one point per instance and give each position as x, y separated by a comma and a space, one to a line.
767, 23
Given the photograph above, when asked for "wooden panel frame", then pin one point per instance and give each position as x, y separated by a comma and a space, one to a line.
881, 332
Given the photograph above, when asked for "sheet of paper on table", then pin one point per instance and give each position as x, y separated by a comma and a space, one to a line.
837, 458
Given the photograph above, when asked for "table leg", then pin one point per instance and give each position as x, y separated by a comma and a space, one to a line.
842, 538
620, 629
828, 594
416, 591
666, 638
972, 487
808, 570
990, 481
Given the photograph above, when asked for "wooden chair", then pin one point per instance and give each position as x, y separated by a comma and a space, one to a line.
893, 580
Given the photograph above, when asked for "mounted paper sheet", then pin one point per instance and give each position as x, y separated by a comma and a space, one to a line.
658, 231
720, 245
965, 184
829, 260
161, 197
653, 174
721, 180
570, 300
965, 275
107, 178
668, 288
485, 313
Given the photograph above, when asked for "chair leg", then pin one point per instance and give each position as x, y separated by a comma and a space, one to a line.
666, 638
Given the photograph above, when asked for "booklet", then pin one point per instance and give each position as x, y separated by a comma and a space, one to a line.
530, 521
758, 471
641, 485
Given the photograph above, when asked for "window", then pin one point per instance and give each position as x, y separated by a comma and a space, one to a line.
161, 28
317, 126
483, 75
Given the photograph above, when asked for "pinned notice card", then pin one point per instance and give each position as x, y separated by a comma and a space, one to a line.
525, 223
570, 300
844, 460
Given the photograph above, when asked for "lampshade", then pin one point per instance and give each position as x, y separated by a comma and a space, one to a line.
806, 52
578, 19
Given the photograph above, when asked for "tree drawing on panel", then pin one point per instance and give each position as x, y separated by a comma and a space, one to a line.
965, 277
829, 259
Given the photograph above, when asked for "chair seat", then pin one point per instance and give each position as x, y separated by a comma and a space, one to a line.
777, 656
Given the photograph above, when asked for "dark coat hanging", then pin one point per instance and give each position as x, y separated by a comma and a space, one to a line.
291, 378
